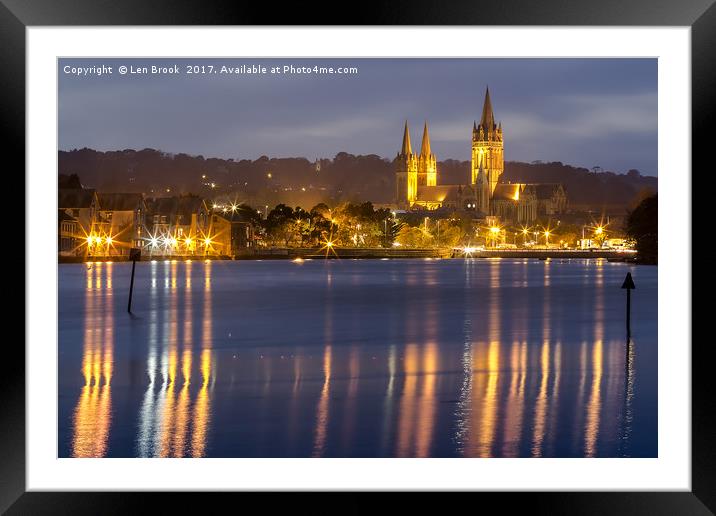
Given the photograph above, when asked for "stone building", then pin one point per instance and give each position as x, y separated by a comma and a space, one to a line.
418, 186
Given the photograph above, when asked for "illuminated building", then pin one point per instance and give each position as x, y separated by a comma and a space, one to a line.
525, 203
99, 224
233, 233
406, 172
488, 163
76, 218
418, 188
179, 224
120, 216
427, 163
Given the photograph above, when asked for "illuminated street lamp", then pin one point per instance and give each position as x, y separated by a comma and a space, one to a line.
495, 232
600, 234
525, 232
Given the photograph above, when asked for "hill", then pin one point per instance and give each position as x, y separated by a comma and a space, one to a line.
300, 181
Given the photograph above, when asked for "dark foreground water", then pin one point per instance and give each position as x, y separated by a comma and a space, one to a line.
348, 358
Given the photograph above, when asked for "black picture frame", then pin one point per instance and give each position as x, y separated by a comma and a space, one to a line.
700, 15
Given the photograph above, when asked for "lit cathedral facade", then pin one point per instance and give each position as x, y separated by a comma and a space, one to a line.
417, 185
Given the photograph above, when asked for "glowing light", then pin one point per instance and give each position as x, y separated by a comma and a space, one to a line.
154, 241
298, 260
109, 240
494, 230
599, 230
187, 241
329, 244
89, 240
207, 241
97, 240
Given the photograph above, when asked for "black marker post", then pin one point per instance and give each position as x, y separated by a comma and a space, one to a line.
628, 285
134, 254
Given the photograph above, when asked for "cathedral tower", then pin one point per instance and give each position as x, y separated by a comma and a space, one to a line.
427, 163
487, 151
406, 172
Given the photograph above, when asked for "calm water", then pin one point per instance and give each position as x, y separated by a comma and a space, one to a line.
339, 358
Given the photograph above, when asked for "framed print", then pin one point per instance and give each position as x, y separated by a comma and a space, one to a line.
407, 254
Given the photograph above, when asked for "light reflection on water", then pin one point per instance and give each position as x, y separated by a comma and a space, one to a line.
93, 412
171, 423
482, 358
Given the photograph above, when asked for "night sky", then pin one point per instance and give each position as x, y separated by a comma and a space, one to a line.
584, 112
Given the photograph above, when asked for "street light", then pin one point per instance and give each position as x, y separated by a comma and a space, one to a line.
525, 232
600, 234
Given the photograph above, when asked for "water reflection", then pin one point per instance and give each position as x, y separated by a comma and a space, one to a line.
93, 412
542, 398
169, 424
417, 401
321, 426
628, 410
591, 430
484, 358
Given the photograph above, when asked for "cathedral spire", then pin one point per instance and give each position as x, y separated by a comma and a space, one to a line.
487, 121
425, 148
406, 149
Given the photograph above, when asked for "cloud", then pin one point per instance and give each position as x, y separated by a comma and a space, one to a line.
581, 117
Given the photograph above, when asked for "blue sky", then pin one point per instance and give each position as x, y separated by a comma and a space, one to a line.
584, 112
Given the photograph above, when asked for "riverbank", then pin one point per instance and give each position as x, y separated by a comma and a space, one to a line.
376, 253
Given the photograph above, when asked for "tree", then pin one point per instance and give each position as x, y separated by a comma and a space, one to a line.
394, 228
451, 236
643, 227
280, 225
410, 236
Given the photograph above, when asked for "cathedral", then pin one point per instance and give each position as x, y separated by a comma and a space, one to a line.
417, 185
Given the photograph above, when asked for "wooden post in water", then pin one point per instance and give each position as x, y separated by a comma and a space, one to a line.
134, 255
628, 285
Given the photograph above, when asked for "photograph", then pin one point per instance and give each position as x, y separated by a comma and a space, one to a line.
357, 257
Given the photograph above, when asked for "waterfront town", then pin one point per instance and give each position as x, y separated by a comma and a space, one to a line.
482, 214
101, 225
383, 264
